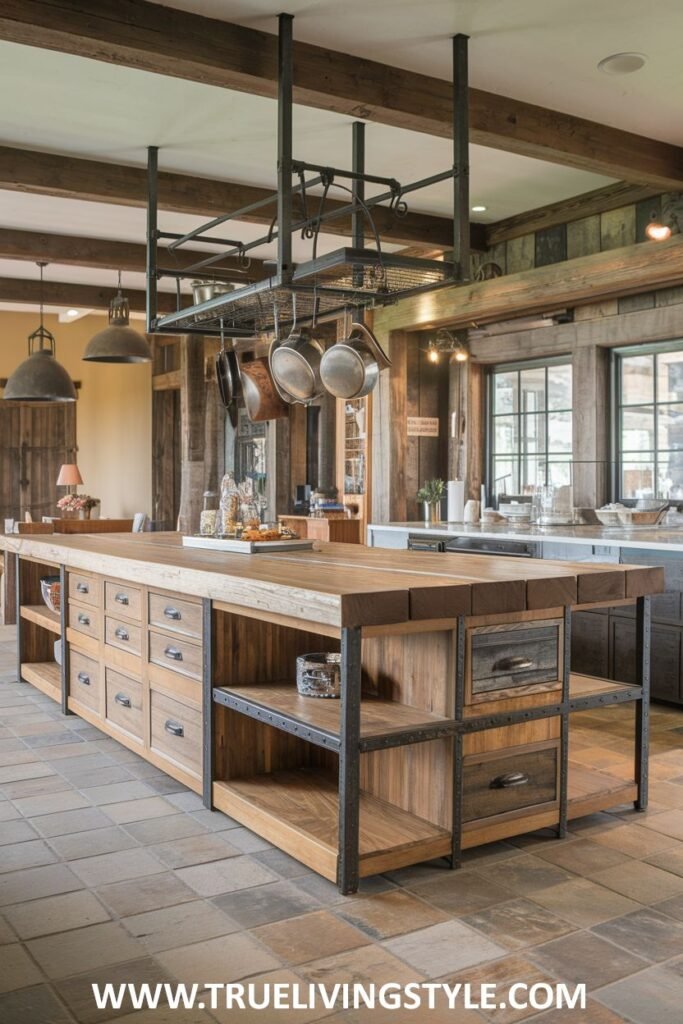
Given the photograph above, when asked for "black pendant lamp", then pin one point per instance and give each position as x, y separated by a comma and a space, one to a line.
40, 378
118, 343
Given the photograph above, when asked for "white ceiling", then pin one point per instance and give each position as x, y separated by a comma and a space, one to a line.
541, 51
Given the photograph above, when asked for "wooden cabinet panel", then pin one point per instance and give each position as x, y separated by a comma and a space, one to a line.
122, 599
84, 589
84, 680
510, 781
85, 619
124, 635
176, 731
178, 655
590, 644
175, 614
124, 702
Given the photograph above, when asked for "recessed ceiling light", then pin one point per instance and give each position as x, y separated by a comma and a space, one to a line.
622, 63
478, 209
72, 312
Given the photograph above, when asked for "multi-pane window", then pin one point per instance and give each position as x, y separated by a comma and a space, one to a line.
530, 441
649, 422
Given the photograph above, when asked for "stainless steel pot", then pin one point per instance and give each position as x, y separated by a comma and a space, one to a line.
351, 368
295, 365
202, 291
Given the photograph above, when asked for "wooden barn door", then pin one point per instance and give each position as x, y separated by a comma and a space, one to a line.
34, 442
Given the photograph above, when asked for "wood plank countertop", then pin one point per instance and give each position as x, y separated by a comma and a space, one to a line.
344, 584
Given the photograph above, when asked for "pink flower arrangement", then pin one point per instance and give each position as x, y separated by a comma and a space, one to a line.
77, 503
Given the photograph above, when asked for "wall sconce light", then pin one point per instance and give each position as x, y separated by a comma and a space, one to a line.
446, 343
433, 354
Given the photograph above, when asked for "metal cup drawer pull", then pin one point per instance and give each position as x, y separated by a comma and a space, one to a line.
174, 653
82, 588
121, 699
516, 663
83, 619
509, 779
122, 598
175, 728
172, 613
121, 634
84, 678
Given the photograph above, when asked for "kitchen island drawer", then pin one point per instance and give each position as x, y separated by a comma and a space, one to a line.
84, 680
123, 635
85, 619
177, 615
176, 731
122, 599
512, 656
83, 588
177, 655
124, 702
510, 782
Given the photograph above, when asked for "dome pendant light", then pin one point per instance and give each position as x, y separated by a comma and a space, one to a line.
118, 343
40, 378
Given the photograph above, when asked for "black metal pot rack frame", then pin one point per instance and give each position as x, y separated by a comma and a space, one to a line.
349, 744
323, 287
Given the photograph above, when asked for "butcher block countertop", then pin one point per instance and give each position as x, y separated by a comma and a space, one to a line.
343, 584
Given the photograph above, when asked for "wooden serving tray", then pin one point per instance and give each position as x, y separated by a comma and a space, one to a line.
246, 547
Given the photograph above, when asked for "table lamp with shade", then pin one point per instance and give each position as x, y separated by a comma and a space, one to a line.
69, 476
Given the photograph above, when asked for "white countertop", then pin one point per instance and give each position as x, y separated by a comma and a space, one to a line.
657, 539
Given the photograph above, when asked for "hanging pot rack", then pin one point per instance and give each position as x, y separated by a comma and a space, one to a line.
353, 276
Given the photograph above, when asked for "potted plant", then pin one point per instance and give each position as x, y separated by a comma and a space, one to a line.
431, 496
77, 506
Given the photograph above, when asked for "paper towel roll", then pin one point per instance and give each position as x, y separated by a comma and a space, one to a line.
456, 500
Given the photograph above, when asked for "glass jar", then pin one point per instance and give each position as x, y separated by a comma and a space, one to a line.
207, 519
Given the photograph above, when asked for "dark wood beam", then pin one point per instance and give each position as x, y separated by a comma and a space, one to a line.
70, 177
76, 251
643, 267
165, 41
600, 200
78, 296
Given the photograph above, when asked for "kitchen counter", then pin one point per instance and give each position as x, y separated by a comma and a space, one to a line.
657, 539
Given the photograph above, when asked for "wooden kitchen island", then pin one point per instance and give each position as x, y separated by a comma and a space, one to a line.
457, 697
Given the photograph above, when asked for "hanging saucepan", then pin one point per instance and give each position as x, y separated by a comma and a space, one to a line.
295, 365
261, 397
351, 368
228, 378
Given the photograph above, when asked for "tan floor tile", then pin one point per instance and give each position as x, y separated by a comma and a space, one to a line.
310, 937
226, 875
16, 831
228, 958
444, 948
51, 803
81, 820
504, 974
641, 882
581, 856
30, 854
669, 823
17, 773
150, 892
526, 875
390, 913
84, 949
634, 840
77, 991
32, 883
594, 1013
585, 958
116, 867
367, 965
6, 933
670, 860
139, 810
584, 903
518, 924
17, 970
194, 849
179, 925
55, 914
253, 1016
463, 892
169, 828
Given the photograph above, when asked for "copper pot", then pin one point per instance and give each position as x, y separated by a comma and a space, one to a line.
261, 397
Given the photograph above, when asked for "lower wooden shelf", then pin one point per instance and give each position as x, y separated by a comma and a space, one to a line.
298, 811
592, 790
46, 676
594, 686
42, 616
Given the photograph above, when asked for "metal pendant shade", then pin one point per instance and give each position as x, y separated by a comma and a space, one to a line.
118, 343
40, 378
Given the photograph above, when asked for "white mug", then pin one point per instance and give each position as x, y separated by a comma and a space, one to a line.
471, 511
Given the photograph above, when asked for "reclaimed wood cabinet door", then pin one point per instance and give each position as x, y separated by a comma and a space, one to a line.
35, 440
590, 644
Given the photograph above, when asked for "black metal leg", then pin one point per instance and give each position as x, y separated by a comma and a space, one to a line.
564, 726
20, 627
64, 671
643, 617
458, 746
349, 762
208, 708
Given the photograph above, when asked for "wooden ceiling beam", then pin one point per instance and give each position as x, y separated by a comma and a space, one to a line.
71, 177
599, 200
166, 41
76, 296
643, 267
105, 254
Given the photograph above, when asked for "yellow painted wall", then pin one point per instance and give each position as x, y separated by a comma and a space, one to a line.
114, 414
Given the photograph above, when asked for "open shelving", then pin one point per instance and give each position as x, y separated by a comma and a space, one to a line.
38, 627
45, 676
42, 616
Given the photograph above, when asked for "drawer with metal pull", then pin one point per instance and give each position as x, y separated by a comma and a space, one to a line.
507, 657
84, 589
84, 680
124, 702
175, 654
124, 635
121, 599
176, 731
85, 619
171, 613
510, 781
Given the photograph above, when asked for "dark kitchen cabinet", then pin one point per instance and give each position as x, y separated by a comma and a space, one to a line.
590, 643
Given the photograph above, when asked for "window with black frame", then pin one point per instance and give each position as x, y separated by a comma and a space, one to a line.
529, 425
649, 421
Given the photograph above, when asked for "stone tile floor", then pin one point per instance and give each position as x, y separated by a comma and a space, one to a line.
111, 871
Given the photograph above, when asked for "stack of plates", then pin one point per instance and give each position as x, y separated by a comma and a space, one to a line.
516, 512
